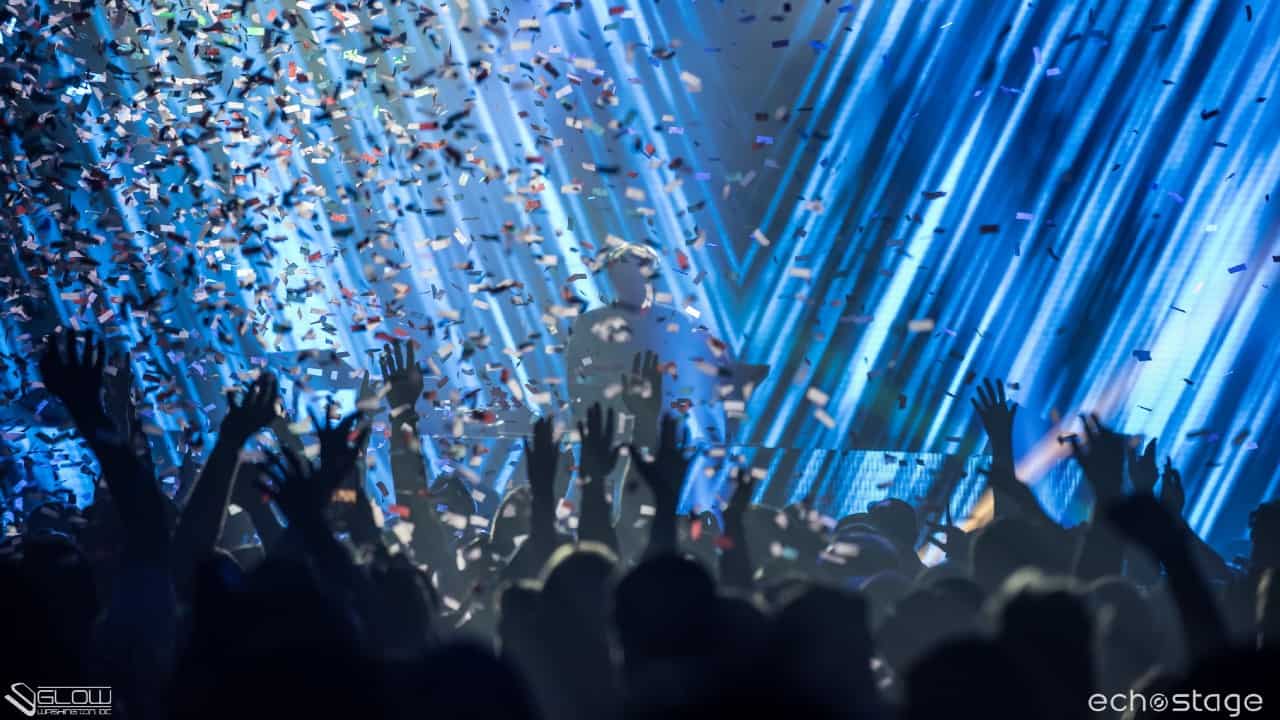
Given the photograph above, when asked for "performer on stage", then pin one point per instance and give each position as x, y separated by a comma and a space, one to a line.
614, 349
642, 359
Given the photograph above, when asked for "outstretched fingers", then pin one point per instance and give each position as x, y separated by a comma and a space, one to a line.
347, 423
987, 393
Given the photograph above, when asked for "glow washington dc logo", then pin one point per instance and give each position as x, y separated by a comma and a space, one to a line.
81, 700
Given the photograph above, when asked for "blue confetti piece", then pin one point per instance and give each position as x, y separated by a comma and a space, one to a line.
764, 140
1238, 268
1142, 355
817, 45
847, 7
781, 43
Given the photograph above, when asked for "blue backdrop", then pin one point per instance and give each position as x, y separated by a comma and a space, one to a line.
883, 200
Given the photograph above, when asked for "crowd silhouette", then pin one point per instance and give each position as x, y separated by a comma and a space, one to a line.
551, 611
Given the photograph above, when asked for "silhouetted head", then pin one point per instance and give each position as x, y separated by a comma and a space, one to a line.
630, 268
968, 677
964, 591
665, 607
1012, 543
896, 520
821, 652
49, 604
406, 608
517, 613
1264, 527
1128, 634
276, 639
577, 580
920, 622
1046, 627
882, 591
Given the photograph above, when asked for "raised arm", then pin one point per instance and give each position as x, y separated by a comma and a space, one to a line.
599, 457
1173, 497
304, 491
664, 474
1144, 522
431, 539
404, 386
996, 411
72, 367
136, 637
1102, 458
542, 459
202, 518
735, 559
1143, 474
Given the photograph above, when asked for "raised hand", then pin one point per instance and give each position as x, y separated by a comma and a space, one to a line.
996, 412
202, 518
1172, 495
642, 393
72, 369
290, 480
665, 473
341, 443
400, 369
599, 456
367, 397
543, 459
285, 436
255, 411
1143, 472
955, 542
1101, 458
